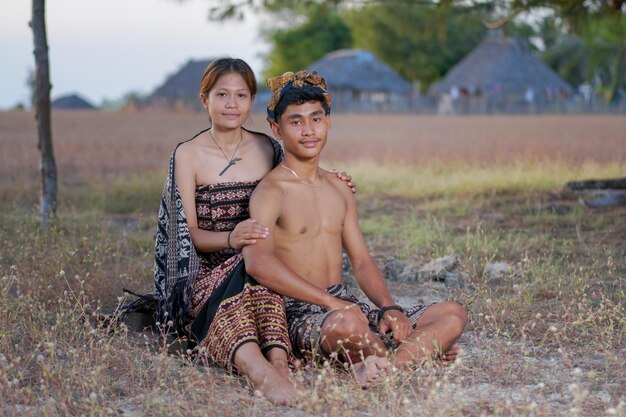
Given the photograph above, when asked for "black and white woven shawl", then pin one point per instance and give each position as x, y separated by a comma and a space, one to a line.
176, 262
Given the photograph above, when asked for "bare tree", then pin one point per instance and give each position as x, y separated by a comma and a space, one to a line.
42, 113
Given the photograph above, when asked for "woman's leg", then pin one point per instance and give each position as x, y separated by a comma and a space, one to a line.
264, 376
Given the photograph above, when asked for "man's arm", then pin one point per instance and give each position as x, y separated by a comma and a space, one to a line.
368, 275
365, 270
265, 267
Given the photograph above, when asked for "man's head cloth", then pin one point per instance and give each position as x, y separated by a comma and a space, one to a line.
301, 79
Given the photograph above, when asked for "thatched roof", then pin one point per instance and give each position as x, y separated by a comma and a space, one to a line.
501, 64
354, 69
72, 102
184, 84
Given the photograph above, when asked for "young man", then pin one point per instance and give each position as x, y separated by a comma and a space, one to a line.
311, 215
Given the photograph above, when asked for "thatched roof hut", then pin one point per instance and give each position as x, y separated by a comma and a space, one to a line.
357, 69
181, 88
72, 102
501, 65
359, 82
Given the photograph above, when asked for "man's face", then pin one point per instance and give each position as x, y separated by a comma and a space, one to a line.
303, 129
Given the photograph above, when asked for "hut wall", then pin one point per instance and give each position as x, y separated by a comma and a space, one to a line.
348, 100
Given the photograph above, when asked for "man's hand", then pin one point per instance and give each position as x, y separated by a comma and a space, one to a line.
398, 323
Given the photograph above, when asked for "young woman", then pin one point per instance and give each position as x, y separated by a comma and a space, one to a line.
200, 278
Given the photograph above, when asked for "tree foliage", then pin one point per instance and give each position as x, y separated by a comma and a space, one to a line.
298, 47
420, 43
422, 39
600, 24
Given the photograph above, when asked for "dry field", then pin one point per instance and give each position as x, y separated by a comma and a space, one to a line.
110, 143
546, 339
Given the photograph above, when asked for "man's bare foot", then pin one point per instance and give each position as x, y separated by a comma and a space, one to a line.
370, 371
450, 355
274, 385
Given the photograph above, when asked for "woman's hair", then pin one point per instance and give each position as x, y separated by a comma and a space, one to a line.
224, 66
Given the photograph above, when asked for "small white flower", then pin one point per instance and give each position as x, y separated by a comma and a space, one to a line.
93, 396
578, 371
553, 329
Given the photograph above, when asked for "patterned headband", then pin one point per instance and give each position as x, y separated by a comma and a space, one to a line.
283, 83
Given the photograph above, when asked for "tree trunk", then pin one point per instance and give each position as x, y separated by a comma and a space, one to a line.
42, 114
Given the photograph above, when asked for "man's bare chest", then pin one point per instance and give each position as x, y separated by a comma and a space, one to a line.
313, 212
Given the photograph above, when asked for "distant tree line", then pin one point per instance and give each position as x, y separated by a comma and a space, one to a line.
423, 39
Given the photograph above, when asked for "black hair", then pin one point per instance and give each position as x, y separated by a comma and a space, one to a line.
301, 95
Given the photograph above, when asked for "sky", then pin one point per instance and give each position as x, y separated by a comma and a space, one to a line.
107, 48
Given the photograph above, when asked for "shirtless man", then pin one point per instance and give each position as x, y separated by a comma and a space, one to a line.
311, 215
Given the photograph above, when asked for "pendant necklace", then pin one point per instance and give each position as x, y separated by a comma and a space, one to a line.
298, 177
232, 161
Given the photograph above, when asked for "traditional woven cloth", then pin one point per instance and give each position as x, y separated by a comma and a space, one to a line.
176, 263
306, 320
229, 307
283, 83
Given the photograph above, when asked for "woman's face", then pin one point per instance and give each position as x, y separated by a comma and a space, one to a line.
229, 101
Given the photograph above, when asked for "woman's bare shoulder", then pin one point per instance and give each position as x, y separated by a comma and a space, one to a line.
186, 152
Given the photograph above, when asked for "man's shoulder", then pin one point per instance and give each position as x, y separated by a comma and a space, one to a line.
270, 185
337, 182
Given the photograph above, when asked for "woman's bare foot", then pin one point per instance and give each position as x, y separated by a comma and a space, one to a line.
370, 371
274, 385
282, 366
279, 360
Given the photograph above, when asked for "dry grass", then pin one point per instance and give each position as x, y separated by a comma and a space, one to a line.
547, 340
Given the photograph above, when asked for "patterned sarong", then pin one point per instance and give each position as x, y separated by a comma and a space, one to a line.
229, 307
305, 321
